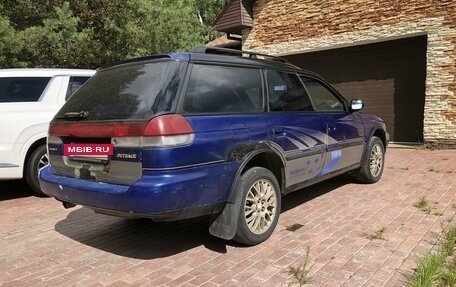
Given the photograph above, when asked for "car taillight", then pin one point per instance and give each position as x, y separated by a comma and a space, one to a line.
161, 131
167, 131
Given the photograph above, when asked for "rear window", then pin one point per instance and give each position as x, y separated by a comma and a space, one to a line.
22, 89
128, 92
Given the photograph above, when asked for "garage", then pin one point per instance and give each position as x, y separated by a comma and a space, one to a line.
388, 76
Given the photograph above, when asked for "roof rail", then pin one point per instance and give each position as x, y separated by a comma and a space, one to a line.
233, 52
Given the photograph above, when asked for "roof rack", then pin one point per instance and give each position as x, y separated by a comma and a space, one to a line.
239, 53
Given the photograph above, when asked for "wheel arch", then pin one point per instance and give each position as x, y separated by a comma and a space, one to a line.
30, 150
381, 134
266, 158
375, 132
224, 224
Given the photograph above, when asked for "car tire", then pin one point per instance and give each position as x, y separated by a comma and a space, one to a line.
260, 206
373, 162
38, 159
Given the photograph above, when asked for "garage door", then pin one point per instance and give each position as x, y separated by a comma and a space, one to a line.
388, 76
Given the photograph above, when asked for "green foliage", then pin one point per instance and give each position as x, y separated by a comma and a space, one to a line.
449, 240
429, 270
376, 234
423, 205
438, 268
90, 33
300, 274
9, 46
57, 42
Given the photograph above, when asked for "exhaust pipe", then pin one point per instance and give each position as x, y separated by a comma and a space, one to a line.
68, 205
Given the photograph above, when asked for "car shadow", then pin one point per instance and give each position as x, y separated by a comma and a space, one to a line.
299, 197
11, 189
145, 239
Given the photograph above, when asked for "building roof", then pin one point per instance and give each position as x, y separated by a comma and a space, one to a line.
235, 17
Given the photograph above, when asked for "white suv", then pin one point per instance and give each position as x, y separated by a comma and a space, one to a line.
29, 98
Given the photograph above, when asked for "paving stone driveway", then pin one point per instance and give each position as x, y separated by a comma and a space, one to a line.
42, 244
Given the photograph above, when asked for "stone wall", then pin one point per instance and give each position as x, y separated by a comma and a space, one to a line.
289, 26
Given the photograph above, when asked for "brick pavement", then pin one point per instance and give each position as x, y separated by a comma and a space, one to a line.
42, 244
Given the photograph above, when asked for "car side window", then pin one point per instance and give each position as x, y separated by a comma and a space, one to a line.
22, 89
74, 84
286, 92
216, 89
323, 99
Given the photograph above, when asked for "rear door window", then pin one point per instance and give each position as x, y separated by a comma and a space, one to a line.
22, 89
286, 93
218, 89
128, 92
74, 84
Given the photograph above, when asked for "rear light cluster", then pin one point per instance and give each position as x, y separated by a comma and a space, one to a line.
162, 131
167, 130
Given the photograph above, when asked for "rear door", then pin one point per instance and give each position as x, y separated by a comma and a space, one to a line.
295, 130
224, 105
344, 129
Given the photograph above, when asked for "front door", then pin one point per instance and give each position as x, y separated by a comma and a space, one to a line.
345, 141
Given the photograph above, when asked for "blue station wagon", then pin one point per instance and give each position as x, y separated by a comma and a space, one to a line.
208, 132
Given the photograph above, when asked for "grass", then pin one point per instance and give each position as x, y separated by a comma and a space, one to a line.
423, 205
438, 268
377, 234
429, 270
449, 276
300, 274
449, 240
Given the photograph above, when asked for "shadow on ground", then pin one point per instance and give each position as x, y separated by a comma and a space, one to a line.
11, 189
144, 239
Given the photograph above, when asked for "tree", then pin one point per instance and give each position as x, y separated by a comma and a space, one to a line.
58, 43
9, 46
207, 11
90, 33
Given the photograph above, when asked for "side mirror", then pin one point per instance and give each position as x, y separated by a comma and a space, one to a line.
356, 105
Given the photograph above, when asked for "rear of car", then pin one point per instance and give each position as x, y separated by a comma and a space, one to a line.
153, 168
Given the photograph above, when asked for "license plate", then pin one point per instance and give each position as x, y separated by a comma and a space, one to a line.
87, 150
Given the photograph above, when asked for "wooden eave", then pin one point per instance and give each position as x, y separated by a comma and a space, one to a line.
235, 17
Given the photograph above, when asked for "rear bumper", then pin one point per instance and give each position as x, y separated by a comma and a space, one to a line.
160, 195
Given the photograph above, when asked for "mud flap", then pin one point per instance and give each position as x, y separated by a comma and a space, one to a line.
225, 224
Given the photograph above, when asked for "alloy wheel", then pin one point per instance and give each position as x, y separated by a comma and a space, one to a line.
376, 160
260, 206
44, 161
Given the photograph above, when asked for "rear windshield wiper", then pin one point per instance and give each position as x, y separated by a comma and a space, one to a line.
74, 115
